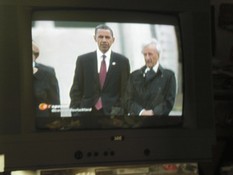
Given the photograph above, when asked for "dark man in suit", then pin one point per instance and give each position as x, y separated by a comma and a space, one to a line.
46, 89
100, 77
151, 90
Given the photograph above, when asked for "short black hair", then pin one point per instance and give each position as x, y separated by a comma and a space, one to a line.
103, 26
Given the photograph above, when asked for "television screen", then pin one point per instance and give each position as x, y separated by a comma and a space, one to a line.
60, 44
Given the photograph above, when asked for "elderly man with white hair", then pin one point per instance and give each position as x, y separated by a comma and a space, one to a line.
151, 89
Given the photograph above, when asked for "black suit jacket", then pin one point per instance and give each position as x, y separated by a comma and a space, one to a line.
46, 89
157, 93
86, 90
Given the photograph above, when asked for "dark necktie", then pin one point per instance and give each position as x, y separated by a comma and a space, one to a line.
149, 75
102, 77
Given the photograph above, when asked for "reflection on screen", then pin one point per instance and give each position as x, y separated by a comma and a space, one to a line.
61, 42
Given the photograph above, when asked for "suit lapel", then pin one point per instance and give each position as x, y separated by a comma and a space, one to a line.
93, 63
112, 62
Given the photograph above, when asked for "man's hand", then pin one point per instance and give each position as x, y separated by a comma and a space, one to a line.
147, 113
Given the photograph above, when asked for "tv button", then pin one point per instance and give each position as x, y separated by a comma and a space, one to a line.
78, 155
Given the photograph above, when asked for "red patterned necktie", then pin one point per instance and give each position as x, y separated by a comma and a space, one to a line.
103, 72
102, 77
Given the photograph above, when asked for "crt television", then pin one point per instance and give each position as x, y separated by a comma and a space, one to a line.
63, 30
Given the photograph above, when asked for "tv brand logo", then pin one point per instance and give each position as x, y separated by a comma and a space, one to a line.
44, 106
117, 138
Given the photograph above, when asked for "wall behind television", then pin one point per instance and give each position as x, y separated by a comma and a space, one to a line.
222, 37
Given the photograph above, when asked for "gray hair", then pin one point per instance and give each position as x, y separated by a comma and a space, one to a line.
154, 42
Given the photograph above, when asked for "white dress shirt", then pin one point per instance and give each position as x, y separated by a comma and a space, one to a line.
100, 58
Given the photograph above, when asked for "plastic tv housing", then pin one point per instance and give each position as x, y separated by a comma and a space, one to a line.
30, 142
